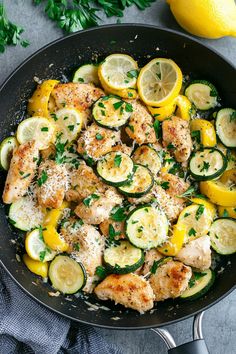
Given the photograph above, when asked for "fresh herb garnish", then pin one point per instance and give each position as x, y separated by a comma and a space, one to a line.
42, 179
188, 193
117, 160
196, 135
118, 213
131, 127
10, 33
87, 201
192, 232
132, 73
157, 128
165, 185
195, 277
99, 136
232, 116
170, 146
205, 166
118, 104
42, 255
101, 272
77, 246
71, 127
128, 107
225, 214
60, 149
44, 129
199, 211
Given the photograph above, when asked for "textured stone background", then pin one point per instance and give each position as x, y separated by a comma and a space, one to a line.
220, 320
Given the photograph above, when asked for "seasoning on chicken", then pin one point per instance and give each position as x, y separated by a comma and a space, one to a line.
86, 245
140, 127
177, 138
21, 172
52, 184
96, 141
84, 182
80, 96
129, 290
170, 280
196, 253
123, 148
118, 226
96, 208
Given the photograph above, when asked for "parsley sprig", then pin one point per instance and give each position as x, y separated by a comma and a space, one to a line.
10, 33
73, 15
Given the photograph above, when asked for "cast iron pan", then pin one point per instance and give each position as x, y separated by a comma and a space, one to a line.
58, 60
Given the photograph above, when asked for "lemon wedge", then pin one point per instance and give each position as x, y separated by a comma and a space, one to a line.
159, 82
118, 71
36, 248
39, 129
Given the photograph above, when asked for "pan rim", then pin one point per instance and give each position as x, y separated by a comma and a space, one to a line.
5, 82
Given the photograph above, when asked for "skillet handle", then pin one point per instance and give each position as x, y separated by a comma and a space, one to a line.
197, 346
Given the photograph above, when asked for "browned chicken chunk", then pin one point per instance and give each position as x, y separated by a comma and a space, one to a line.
53, 184
196, 253
129, 290
98, 207
150, 256
90, 145
80, 96
21, 172
177, 138
140, 127
170, 280
119, 227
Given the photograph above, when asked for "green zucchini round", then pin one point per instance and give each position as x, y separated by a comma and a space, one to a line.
199, 284
146, 227
226, 126
202, 94
67, 275
123, 258
140, 184
115, 168
223, 235
147, 156
111, 112
207, 164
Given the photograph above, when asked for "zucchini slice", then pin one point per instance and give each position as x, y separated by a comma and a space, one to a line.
140, 184
146, 227
111, 112
199, 284
67, 275
25, 215
6, 149
223, 235
202, 94
226, 126
207, 164
115, 168
86, 74
123, 258
147, 156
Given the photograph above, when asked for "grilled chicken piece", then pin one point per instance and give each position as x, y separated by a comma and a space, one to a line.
167, 199
80, 96
119, 227
140, 127
176, 132
197, 253
84, 182
91, 245
170, 280
129, 290
150, 256
21, 172
54, 182
90, 145
99, 208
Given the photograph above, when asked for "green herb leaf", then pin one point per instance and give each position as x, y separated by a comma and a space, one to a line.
225, 214
42, 179
118, 104
118, 213
44, 129
196, 134
188, 193
128, 107
99, 136
87, 201
132, 73
117, 160
165, 185
101, 272
42, 255
199, 211
205, 166
77, 246
157, 128
232, 117
192, 232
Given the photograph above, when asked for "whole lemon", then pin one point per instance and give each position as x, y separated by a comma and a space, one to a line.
206, 18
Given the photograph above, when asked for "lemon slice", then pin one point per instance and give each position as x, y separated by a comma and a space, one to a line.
36, 248
162, 113
68, 123
36, 267
130, 92
159, 82
118, 71
39, 129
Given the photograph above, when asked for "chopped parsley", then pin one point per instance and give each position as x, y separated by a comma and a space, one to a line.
42, 179
131, 127
99, 136
71, 127
54, 116
188, 193
118, 214
44, 129
87, 201
42, 255
205, 166
132, 73
100, 104
118, 104
165, 185
117, 160
232, 117
195, 277
77, 246
101, 272
128, 107
196, 135
170, 146
225, 214
199, 211
157, 128
192, 232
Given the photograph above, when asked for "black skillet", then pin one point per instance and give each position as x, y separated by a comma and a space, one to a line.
58, 60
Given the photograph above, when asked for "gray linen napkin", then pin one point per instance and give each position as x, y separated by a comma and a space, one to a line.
29, 328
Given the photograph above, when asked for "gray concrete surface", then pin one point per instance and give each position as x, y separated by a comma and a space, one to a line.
220, 320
